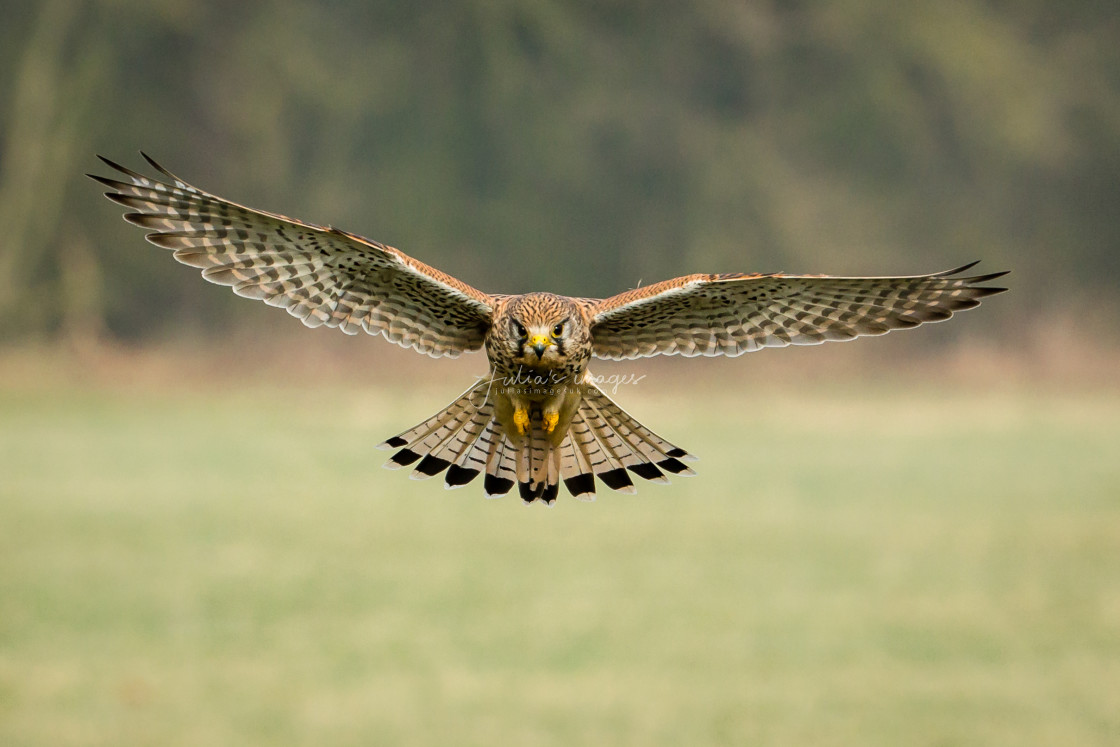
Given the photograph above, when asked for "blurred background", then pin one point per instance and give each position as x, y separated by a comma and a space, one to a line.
641, 140
197, 544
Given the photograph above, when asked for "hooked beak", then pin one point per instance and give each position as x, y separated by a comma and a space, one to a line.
540, 344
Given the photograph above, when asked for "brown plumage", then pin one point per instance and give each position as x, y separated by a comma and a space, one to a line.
538, 418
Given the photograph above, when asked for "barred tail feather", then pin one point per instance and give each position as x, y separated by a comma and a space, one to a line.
575, 470
500, 470
601, 445
467, 450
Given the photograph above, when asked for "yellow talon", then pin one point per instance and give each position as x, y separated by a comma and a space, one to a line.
550, 420
521, 420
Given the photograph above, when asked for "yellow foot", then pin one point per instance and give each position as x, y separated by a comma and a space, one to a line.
521, 420
550, 420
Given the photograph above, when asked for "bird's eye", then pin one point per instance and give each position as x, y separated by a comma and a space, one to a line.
520, 330
558, 330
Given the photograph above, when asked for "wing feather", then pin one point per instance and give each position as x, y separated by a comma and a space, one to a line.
320, 275
738, 313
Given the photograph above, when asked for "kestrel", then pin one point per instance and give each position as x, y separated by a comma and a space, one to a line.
538, 418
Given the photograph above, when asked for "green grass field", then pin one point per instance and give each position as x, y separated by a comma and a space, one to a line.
928, 567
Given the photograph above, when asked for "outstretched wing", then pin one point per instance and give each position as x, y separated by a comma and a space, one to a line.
321, 275
735, 314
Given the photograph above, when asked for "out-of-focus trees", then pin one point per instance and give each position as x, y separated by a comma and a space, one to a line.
579, 146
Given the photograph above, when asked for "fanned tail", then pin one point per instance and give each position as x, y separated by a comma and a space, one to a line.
603, 441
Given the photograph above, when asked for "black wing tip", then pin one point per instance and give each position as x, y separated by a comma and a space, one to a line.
111, 164
394, 442
975, 278
957, 270
123, 169
983, 291
133, 174
152, 162
987, 278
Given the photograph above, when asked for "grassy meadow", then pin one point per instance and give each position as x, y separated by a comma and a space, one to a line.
230, 565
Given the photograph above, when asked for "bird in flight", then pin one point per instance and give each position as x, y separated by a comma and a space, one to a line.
538, 418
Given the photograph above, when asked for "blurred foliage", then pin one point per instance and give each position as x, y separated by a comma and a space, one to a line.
581, 147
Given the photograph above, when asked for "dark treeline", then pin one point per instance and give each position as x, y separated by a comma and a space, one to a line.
582, 146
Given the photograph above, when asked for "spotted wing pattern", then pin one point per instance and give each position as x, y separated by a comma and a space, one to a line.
735, 314
320, 275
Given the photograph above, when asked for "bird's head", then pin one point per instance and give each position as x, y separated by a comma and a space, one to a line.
542, 331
